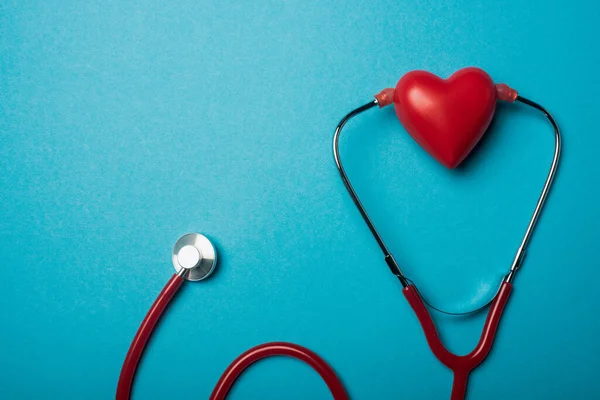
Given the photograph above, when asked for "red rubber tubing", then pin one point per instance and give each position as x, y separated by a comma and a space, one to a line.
460, 365
234, 370
143, 334
239, 365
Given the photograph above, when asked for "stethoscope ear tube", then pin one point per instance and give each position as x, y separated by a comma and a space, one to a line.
460, 365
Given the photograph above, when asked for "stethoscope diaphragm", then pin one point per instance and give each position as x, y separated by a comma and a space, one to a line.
194, 257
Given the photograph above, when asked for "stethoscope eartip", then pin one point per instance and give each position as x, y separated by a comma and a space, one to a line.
194, 257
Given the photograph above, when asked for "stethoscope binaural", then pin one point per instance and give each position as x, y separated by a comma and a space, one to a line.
422, 102
418, 83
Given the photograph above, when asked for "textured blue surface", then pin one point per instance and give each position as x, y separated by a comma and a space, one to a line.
127, 124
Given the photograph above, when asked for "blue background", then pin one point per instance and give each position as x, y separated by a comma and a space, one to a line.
125, 125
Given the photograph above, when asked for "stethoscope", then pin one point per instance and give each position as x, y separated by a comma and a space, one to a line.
195, 258
422, 102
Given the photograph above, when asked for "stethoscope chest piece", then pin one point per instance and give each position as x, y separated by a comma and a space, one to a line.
194, 257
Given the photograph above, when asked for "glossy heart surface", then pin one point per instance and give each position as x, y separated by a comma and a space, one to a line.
447, 117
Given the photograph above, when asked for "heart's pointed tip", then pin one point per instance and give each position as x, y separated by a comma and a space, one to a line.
450, 164
452, 161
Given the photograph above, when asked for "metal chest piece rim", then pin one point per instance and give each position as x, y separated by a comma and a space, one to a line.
194, 257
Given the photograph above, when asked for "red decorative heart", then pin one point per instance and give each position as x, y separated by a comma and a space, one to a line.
447, 117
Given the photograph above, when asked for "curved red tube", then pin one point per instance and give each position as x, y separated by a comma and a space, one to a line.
143, 334
239, 365
460, 365
234, 370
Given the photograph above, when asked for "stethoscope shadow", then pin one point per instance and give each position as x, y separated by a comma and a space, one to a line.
504, 112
